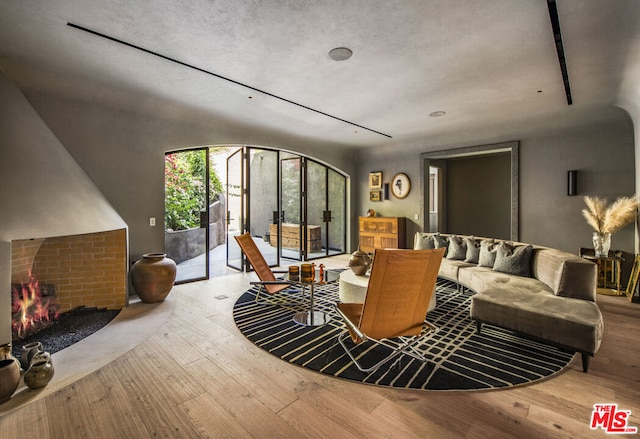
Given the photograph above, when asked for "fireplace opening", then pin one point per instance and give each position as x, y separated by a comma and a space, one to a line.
33, 308
69, 328
66, 288
35, 317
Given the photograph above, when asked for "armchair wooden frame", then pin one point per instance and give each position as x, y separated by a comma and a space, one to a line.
268, 281
394, 311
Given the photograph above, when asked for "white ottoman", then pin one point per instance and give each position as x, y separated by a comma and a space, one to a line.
353, 289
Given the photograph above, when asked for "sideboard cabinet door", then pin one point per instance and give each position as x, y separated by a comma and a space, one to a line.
378, 232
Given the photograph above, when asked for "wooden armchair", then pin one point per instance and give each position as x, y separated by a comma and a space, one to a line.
394, 311
267, 276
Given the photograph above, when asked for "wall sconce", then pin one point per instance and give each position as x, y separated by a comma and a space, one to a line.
572, 182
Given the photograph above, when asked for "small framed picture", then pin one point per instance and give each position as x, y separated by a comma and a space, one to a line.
375, 180
375, 195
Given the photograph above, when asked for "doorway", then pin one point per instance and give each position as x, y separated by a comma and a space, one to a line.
187, 210
466, 189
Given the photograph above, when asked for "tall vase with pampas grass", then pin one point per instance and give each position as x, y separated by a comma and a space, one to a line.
606, 220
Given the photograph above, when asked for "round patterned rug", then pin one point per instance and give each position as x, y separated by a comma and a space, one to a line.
458, 358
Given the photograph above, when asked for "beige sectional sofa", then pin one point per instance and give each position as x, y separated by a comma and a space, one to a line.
541, 292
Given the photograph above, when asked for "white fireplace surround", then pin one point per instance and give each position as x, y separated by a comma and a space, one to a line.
46, 193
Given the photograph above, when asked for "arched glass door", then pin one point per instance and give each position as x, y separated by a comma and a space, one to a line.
293, 207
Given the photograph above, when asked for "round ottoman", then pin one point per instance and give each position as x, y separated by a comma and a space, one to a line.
353, 289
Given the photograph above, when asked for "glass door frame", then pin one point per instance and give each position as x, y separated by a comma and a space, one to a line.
245, 219
204, 216
302, 206
245, 204
328, 215
241, 213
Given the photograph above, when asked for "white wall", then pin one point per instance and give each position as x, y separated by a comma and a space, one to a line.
45, 192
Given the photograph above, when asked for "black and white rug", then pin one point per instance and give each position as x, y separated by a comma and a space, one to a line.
458, 357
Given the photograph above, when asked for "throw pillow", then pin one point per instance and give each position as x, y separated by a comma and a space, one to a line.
423, 241
457, 248
473, 250
440, 242
487, 256
514, 260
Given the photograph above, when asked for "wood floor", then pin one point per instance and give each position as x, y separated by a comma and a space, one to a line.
198, 377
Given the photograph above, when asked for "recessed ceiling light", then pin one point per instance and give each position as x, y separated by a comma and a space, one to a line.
340, 54
437, 114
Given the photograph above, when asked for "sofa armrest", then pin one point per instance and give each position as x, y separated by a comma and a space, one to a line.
568, 275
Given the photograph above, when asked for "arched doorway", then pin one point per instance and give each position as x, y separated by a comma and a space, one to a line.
293, 206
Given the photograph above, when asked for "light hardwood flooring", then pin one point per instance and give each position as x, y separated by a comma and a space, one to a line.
197, 377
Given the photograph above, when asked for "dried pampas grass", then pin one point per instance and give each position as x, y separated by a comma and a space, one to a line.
610, 219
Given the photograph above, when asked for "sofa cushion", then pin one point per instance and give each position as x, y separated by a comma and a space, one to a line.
473, 250
513, 259
487, 255
450, 269
423, 241
481, 279
457, 248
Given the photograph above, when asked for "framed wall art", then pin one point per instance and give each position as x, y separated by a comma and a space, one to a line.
633, 278
400, 185
375, 195
375, 180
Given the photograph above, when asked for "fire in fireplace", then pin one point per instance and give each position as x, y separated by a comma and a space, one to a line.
33, 307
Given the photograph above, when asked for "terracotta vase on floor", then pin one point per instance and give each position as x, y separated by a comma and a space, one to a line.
9, 378
153, 276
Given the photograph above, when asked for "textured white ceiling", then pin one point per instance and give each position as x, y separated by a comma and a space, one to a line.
486, 63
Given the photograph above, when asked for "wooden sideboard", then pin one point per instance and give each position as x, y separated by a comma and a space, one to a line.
379, 232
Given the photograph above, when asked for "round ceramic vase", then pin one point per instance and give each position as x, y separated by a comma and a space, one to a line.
359, 262
153, 276
27, 352
39, 374
9, 378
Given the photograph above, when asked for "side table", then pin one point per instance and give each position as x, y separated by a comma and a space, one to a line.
313, 317
608, 272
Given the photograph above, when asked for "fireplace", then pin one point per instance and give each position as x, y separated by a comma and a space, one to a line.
60, 274
34, 306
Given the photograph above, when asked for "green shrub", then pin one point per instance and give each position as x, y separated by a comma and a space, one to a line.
185, 193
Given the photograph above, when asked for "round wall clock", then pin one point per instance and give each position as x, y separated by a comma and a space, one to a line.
400, 185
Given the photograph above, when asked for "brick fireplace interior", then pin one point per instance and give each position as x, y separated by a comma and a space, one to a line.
87, 270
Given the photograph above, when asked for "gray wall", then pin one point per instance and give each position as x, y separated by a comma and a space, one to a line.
602, 152
123, 153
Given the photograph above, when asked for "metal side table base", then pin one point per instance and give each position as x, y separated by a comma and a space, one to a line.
315, 318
